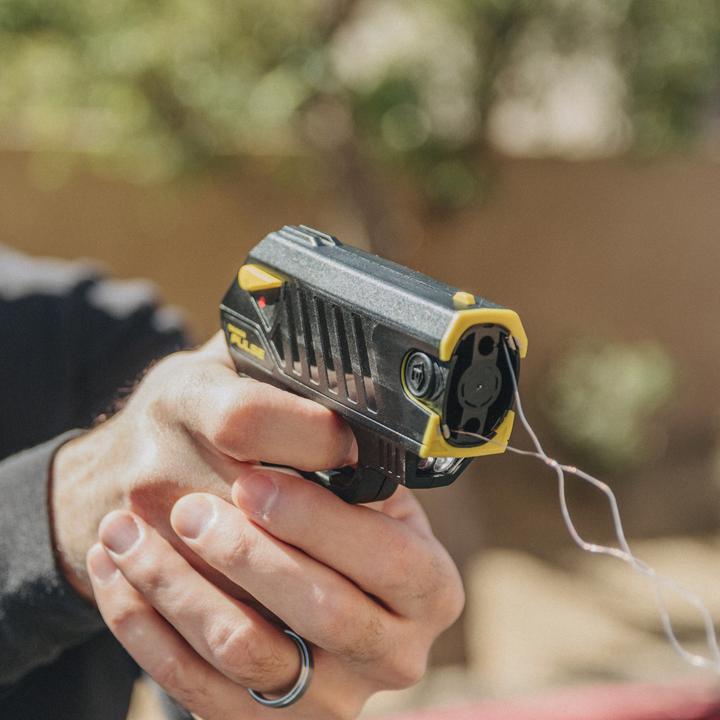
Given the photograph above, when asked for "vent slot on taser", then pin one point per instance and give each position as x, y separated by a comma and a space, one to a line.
326, 346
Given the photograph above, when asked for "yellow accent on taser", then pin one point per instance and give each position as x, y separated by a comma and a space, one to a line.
433, 442
463, 299
435, 445
464, 319
254, 278
238, 338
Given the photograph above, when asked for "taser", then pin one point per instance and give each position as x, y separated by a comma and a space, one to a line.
421, 371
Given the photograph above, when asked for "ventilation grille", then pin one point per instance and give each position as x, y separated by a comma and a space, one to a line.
325, 345
393, 456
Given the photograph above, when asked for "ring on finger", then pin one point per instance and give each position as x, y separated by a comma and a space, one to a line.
301, 684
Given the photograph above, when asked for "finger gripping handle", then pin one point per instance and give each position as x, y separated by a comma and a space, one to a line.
380, 468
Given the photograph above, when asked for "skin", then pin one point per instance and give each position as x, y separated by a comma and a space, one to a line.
197, 556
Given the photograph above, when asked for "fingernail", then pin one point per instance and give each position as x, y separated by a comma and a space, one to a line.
119, 532
192, 515
255, 493
100, 564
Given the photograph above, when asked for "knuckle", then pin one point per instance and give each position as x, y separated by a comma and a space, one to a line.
236, 549
263, 658
163, 404
150, 575
404, 663
124, 619
223, 431
407, 671
168, 672
327, 608
263, 661
454, 602
358, 636
436, 588
189, 688
235, 426
447, 601
230, 647
409, 570
245, 655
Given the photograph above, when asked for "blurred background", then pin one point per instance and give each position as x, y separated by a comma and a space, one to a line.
560, 157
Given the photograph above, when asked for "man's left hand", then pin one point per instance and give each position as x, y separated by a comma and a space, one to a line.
369, 588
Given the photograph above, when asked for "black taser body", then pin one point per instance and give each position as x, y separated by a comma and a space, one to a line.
417, 368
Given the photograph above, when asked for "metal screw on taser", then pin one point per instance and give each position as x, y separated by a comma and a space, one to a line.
415, 366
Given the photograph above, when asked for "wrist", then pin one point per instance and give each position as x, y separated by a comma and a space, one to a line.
79, 497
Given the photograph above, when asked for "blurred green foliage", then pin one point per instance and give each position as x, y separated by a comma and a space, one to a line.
602, 398
420, 88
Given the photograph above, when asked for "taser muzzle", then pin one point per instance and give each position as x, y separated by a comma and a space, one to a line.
422, 372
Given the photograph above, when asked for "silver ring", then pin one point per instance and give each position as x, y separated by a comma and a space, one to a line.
301, 684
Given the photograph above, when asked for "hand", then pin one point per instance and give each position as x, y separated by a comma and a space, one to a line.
369, 587
188, 426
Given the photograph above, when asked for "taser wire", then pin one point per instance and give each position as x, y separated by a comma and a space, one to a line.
660, 584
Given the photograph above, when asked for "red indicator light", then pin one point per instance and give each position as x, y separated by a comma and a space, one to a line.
261, 302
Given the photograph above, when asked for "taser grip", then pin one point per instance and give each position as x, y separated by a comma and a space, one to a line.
381, 467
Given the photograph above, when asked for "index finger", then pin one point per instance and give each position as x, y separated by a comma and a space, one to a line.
249, 420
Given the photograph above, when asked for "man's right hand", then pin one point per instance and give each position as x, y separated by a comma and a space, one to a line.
186, 428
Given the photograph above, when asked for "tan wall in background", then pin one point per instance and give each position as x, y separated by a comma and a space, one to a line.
620, 250
607, 249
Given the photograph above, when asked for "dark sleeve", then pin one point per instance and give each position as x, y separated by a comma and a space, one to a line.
40, 614
112, 331
72, 340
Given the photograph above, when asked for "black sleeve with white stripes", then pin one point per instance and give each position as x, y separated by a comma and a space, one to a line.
70, 340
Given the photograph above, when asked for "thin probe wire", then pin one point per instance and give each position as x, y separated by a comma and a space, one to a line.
659, 583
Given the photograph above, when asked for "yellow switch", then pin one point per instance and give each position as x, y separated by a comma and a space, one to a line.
254, 278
